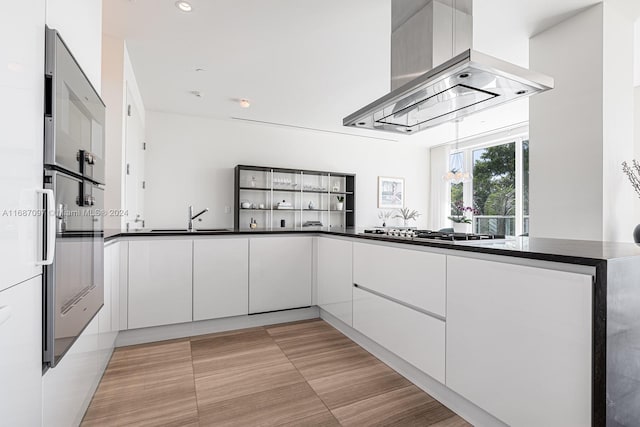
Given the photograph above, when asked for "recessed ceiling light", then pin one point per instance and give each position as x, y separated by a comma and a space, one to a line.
197, 93
200, 69
184, 6
244, 103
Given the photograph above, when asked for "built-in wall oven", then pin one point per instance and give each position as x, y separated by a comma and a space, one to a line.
73, 288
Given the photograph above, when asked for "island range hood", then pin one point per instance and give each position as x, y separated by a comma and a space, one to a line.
428, 32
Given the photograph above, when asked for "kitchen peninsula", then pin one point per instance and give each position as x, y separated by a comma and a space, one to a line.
455, 318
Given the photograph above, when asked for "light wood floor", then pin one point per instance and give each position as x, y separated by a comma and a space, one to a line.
296, 374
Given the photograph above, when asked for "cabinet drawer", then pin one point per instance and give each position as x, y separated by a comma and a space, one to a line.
414, 277
416, 337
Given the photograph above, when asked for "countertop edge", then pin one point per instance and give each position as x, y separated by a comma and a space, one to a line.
542, 256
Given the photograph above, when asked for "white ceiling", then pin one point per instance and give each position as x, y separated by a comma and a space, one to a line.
301, 63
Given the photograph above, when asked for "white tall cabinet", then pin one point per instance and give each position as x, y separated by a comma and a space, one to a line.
335, 277
21, 138
280, 273
519, 341
21, 151
220, 278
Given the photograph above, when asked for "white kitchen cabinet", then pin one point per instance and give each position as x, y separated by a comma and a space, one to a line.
279, 273
411, 276
220, 278
414, 336
123, 285
115, 272
519, 341
335, 281
21, 354
160, 282
68, 388
109, 313
21, 136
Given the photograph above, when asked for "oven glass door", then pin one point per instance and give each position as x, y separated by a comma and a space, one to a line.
74, 282
76, 115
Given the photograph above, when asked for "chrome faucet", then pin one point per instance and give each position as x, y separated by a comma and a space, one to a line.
192, 217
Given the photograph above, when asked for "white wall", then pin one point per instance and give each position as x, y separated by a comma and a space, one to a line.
80, 25
636, 54
117, 75
190, 161
580, 130
618, 121
636, 143
112, 95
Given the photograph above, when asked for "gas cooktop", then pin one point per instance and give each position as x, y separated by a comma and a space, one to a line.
428, 234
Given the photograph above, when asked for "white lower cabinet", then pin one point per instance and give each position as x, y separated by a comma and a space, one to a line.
280, 273
68, 388
519, 341
160, 282
21, 354
335, 277
220, 278
109, 313
414, 336
411, 276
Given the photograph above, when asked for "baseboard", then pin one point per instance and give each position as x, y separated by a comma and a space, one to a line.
458, 404
182, 330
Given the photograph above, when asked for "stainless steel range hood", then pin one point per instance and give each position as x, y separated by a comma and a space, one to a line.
462, 85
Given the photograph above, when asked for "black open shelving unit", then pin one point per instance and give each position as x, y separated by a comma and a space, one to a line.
313, 196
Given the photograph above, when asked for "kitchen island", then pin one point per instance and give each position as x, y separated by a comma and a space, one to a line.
530, 330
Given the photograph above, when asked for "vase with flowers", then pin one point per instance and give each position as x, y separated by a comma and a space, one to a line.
461, 216
384, 216
633, 173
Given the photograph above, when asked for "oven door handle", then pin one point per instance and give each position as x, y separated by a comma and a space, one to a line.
51, 225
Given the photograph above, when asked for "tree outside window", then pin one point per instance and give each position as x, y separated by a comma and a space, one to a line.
494, 183
499, 189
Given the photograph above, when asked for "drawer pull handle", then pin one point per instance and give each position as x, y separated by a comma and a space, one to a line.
397, 301
5, 313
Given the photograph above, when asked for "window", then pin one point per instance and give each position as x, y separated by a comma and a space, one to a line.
499, 188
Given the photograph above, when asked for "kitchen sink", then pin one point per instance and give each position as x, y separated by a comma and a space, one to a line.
184, 230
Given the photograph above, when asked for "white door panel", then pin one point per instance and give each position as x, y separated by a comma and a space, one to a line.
279, 273
220, 278
21, 354
160, 283
519, 341
335, 280
21, 138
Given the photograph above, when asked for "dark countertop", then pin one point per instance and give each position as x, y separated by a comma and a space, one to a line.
582, 252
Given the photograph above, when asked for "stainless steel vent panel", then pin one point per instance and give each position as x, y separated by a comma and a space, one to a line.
466, 84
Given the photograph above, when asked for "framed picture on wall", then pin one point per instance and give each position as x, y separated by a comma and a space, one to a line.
390, 192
